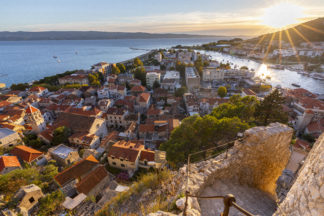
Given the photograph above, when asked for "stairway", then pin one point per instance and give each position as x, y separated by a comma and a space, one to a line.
251, 199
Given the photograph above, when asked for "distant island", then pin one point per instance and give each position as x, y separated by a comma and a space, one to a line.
89, 35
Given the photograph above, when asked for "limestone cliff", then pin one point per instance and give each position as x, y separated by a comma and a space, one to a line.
306, 196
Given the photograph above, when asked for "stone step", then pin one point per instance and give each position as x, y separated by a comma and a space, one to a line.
251, 199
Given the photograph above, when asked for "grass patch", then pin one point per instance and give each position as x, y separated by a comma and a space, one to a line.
151, 180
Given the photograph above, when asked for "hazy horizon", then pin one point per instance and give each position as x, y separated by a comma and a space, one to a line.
205, 17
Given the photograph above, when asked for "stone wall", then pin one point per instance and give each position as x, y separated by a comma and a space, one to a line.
257, 160
306, 196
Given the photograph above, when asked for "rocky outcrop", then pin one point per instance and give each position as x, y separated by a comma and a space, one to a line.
306, 196
284, 184
257, 161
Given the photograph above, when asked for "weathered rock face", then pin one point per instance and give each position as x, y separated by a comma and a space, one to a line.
257, 160
263, 155
306, 196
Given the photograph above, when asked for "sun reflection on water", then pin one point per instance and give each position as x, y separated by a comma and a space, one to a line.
263, 71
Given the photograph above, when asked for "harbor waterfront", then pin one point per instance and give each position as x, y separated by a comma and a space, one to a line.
25, 61
285, 78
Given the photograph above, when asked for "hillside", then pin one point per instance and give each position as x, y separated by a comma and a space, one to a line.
87, 35
312, 30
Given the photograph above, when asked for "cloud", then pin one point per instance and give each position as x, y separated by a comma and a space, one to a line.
236, 23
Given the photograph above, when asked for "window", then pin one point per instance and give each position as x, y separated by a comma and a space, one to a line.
31, 199
145, 163
121, 160
123, 165
114, 163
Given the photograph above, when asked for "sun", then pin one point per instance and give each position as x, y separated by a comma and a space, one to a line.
282, 14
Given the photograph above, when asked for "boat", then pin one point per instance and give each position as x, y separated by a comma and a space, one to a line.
55, 57
277, 66
296, 85
58, 61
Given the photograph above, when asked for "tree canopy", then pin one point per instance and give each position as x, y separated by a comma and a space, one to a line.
95, 78
241, 107
240, 113
121, 67
222, 91
137, 62
270, 109
140, 74
61, 135
156, 84
197, 133
115, 70
19, 86
180, 91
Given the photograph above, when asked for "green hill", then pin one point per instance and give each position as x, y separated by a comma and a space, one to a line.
312, 30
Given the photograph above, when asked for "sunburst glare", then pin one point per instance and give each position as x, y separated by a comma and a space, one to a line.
282, 15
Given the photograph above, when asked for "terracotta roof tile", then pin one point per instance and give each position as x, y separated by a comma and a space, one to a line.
138, 88
8, 161
76, 170
125, 150
147, 155
26, 153
31, 109
91, 180
144, 97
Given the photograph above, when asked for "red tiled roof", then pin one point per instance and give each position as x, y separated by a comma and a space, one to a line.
115, 111
302, 144
153, 111
124, 153
4, 103
311, 103
8, 161
138, 88
316, 126
26, 153
76, 170
145, 128
91, 180
31, 109
144, 97
147, 155
300, 92
125, 150
37, 89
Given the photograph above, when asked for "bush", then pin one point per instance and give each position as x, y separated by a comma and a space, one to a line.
50, 203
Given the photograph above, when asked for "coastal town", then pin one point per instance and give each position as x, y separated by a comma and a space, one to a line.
87, 134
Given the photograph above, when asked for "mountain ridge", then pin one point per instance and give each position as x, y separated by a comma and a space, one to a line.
312, 30
90, 35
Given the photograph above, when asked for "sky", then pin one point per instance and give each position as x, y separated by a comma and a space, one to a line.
209, 17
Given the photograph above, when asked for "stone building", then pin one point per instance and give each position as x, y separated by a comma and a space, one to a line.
9, 138
86, 176
64, 155
36, 119
28, 197
8, 163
